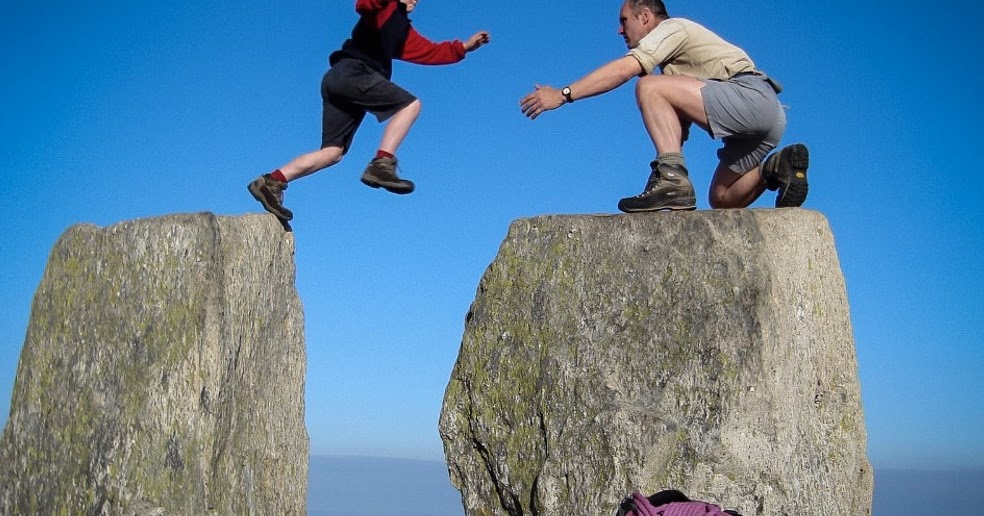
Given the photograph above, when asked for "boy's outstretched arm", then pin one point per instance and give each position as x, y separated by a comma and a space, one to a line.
420, 50
475, 42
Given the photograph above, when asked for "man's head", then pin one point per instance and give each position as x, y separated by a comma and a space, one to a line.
638, 18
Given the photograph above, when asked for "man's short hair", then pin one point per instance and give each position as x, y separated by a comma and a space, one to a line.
656, 6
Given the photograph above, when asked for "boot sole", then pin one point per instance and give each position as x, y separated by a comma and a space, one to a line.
389, 187
680, 207
793, 194
258, 195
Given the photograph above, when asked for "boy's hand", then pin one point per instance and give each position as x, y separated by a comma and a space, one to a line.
480, 38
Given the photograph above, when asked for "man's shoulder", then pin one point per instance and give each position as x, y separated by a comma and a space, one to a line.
668, 27
685, 25
664, 30
680, 24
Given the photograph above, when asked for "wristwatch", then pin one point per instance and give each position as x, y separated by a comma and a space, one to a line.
566, 92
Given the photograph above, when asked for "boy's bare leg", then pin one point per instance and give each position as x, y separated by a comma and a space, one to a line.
307, 164
399, 126
381, 172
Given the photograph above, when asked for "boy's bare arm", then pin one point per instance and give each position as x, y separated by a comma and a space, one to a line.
477, 40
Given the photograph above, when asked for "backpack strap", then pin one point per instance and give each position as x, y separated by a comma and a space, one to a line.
643, 507
667, 496
638, 505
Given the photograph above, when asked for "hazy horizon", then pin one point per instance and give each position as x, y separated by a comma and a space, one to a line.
380, 486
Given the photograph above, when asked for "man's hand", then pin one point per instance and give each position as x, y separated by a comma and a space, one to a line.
544, 98
480, 38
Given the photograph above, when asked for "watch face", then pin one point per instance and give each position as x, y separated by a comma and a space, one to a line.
566, 92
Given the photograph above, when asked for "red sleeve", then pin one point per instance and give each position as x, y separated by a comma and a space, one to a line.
420, 50
368, 6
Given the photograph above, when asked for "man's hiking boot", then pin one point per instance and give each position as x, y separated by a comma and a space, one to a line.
785, 171
668, 188
270, 193
381, 172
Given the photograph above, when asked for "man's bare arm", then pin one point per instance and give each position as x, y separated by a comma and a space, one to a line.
604, 79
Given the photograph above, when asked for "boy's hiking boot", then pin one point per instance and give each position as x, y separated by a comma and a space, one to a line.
668, 188
270, 193
381, 172
785, 171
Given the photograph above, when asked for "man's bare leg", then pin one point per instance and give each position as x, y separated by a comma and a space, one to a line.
666, 103
663, 100
732, 190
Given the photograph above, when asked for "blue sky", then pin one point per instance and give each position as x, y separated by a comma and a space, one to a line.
123, 110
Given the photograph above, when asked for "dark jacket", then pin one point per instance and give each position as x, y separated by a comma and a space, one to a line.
384, 33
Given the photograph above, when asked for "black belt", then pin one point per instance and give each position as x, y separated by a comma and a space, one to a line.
772, 82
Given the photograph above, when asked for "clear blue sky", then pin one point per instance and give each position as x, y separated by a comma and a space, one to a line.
120, 110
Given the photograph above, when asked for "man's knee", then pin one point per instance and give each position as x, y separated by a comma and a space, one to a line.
648, 85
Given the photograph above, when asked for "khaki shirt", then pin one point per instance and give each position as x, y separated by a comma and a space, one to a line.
681, 47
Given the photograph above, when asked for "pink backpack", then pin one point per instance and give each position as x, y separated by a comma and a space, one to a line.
668, 503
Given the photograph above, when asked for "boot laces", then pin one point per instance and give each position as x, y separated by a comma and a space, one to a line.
655, 178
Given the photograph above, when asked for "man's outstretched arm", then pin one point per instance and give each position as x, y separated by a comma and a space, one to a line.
602, 80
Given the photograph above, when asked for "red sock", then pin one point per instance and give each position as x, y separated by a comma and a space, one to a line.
384, 154
278, 175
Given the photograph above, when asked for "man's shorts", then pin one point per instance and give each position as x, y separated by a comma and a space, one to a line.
745, 113
349, 90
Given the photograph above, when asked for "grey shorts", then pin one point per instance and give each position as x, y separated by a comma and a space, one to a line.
745, 113
349, 90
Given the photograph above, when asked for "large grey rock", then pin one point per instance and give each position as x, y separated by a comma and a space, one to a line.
162, 373
710, 352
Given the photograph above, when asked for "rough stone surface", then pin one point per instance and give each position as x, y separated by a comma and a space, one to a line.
162, 373
710, 352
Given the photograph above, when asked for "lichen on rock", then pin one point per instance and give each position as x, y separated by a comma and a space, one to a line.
710, 352
162, 373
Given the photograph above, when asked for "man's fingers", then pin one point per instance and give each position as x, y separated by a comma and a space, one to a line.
532, 111
532, 104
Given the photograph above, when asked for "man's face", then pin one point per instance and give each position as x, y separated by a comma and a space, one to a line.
631, 27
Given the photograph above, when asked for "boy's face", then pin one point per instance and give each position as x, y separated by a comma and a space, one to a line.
410, 4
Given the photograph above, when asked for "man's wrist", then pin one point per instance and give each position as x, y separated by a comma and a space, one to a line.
566, 92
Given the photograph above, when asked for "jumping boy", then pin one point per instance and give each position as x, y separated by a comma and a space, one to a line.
358, 82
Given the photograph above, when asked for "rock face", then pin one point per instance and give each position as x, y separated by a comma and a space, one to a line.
162, 373
709, 352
